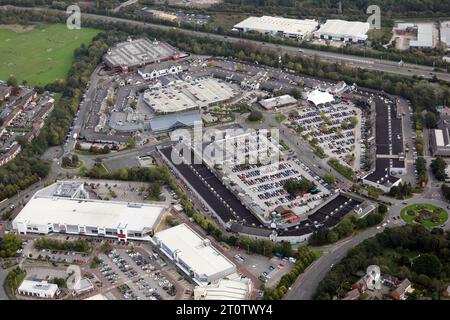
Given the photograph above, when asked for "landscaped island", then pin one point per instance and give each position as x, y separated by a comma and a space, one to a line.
427, 215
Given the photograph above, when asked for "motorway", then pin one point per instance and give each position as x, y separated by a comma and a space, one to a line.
367, 63
407, 69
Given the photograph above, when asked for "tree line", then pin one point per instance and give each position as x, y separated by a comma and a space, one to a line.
430, 57
347, 227
422, 94
27, 168
53, 244
411, 252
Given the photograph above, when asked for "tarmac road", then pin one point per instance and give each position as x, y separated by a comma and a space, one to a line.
306, 284
366, 63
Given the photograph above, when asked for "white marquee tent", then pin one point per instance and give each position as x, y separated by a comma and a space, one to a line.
318, 97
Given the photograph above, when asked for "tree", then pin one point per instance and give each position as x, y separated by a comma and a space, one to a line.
296, 93
427, 264
255, 116
446, 191
12, 81
110, 101
382, 208
75, 160
66, 162
332, 236
9, 246
296, 187
132, 143
344, 228
106, 248
430, 120
353, 121
438, 167
329, 178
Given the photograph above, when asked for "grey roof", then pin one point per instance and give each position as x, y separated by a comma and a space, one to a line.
118, 121
175, 120
140, 52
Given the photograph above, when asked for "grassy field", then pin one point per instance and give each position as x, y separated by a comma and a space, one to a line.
39, 54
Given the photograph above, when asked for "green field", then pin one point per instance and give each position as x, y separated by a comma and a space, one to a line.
40, 54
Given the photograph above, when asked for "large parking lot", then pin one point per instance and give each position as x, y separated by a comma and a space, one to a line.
134, 276
331, 126
265, 185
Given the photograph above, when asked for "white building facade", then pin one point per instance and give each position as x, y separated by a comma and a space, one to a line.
51, 212
341, 30
38, 289
193, 255
156, 71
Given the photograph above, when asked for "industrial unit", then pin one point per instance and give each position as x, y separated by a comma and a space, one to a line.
289, 28
341, 30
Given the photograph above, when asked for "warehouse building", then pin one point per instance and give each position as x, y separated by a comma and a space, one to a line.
137, 53
341, 30
49, 211
422, 34
277, 26
194, 255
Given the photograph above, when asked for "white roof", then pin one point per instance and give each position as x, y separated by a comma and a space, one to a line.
276, 24
445, 33
439, 137
342, 28
97, 297
93, 213
224, 290
318, 97
182, 95
277, 101
38, 286
83, 284
194, 251
424, 36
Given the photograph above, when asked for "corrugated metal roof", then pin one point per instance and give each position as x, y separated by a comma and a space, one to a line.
176, 120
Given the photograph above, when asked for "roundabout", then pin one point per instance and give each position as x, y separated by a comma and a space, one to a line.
425, 214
